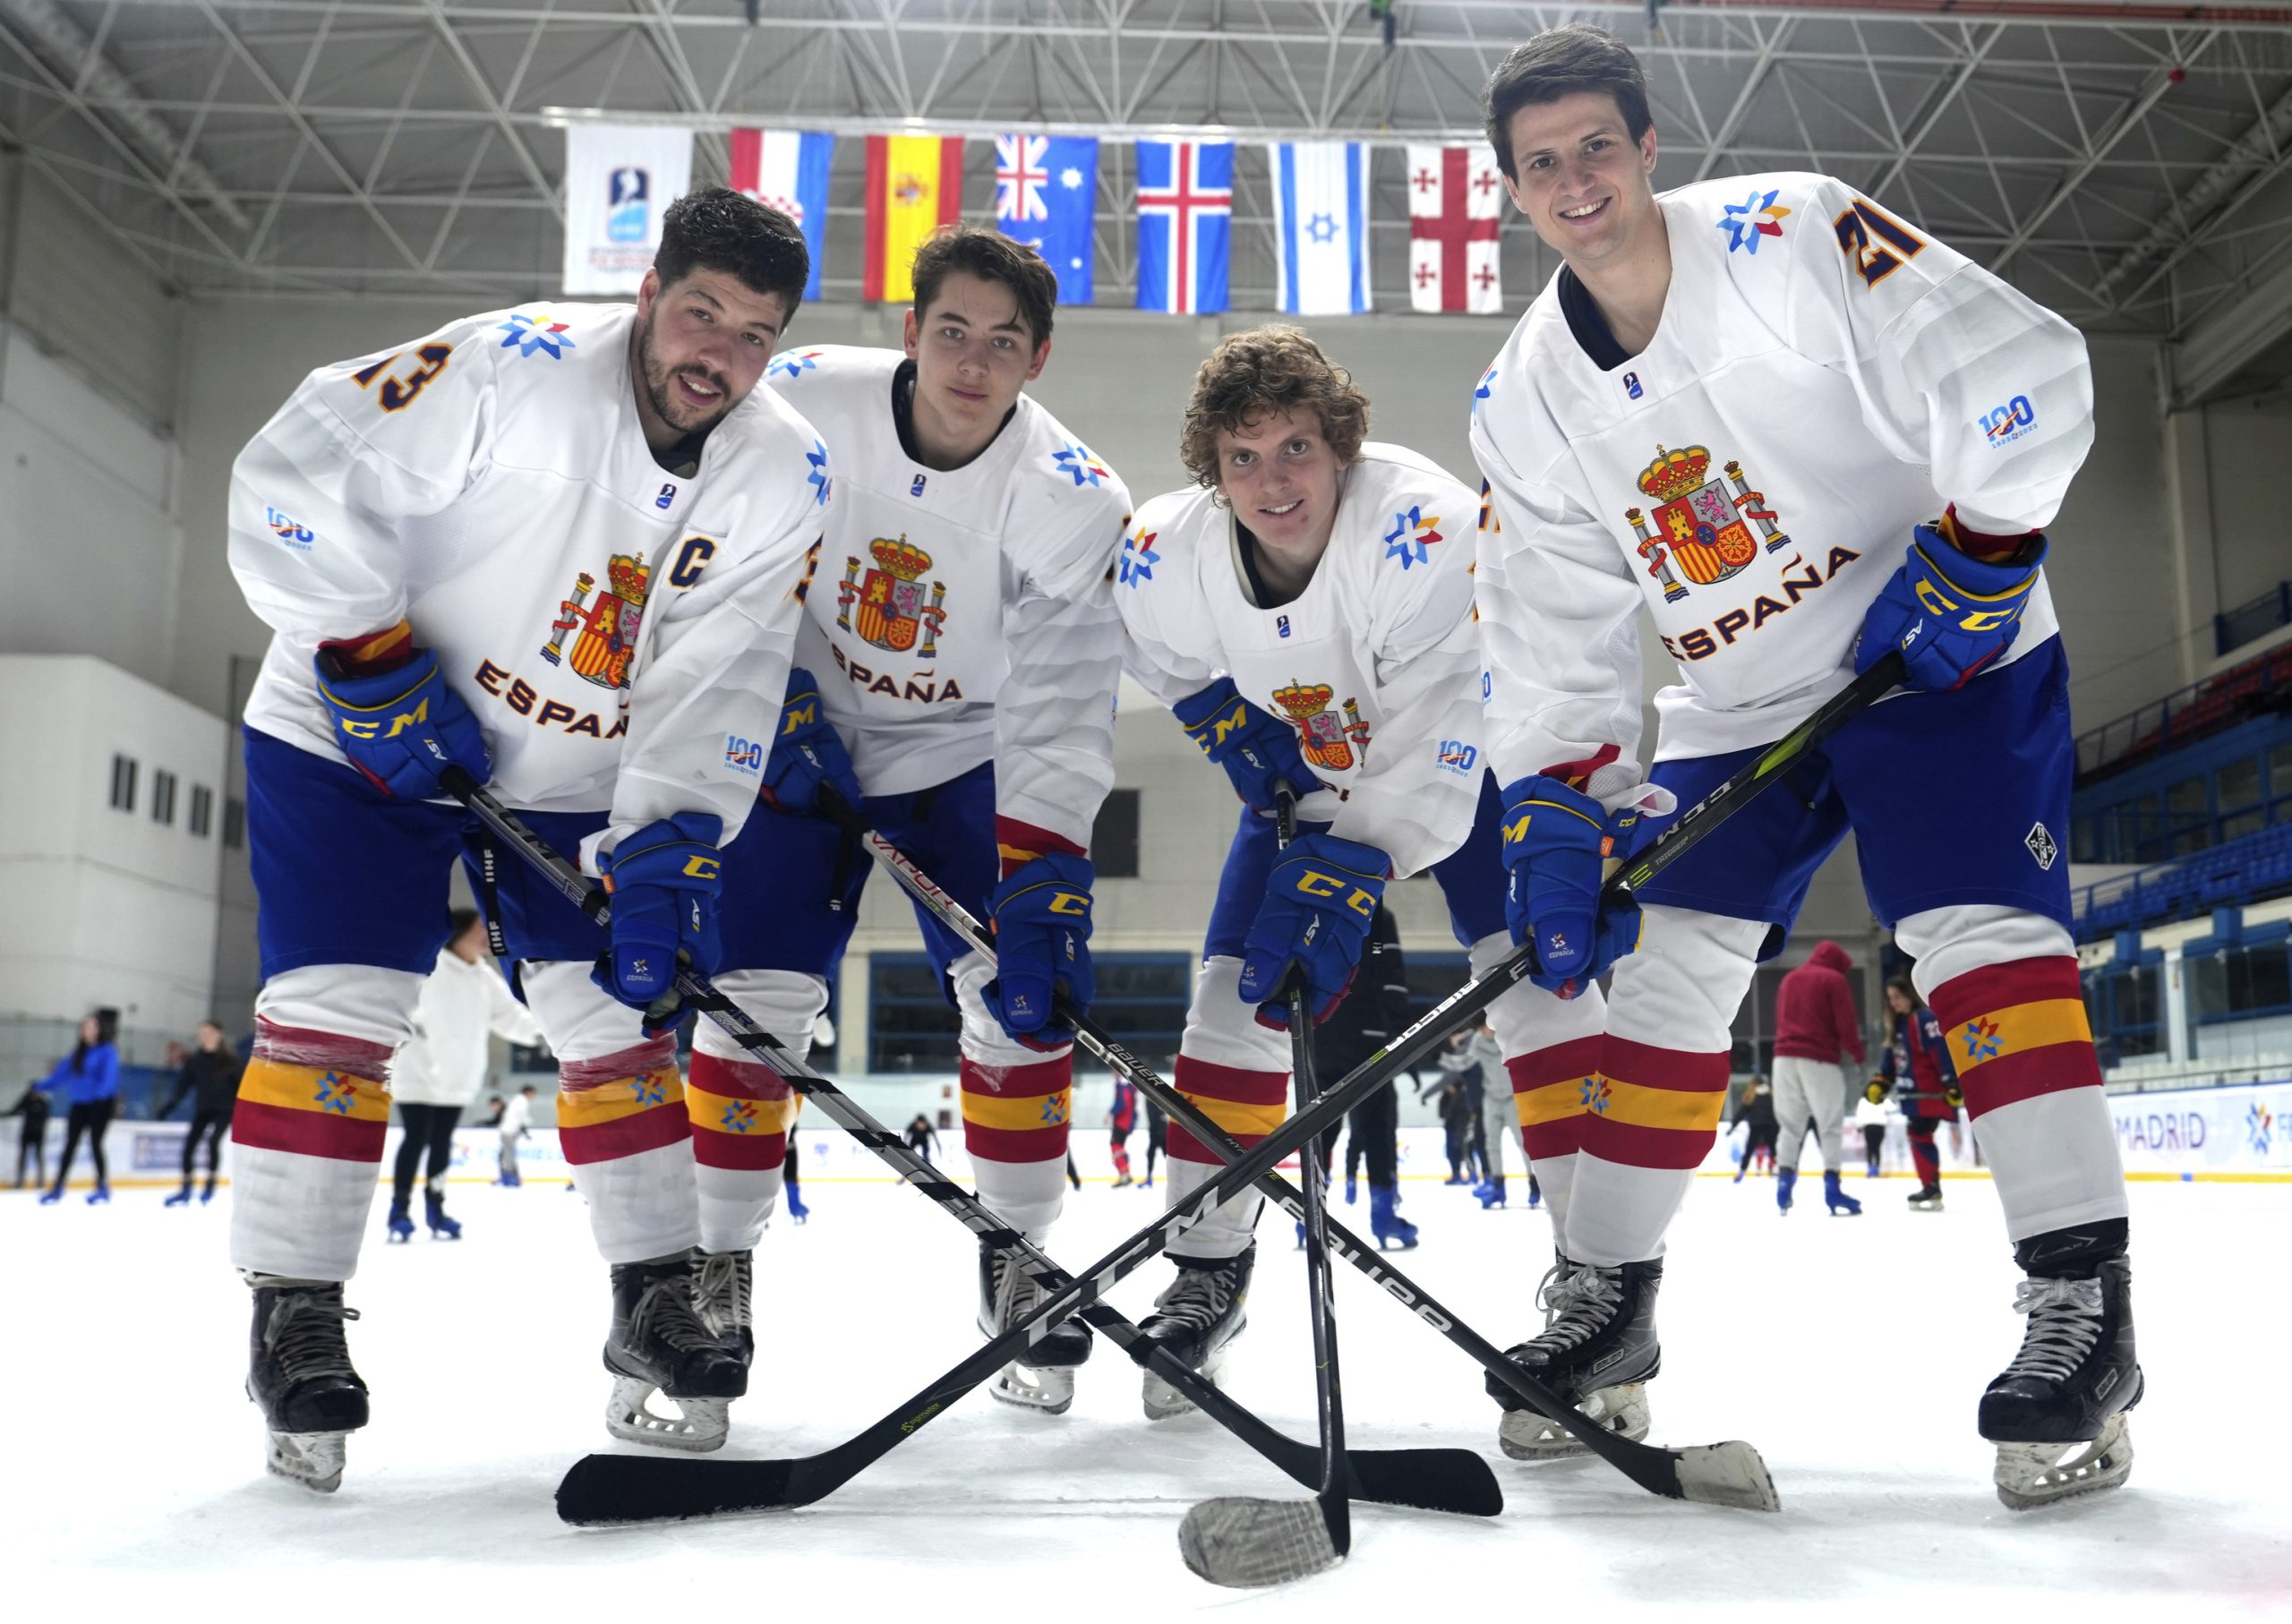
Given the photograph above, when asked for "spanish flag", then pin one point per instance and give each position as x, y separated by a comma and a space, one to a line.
915, 185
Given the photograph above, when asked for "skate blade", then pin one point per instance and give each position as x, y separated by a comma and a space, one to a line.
1527, 1435
1049, 1392
1162, 1401
700, 1427
2032, 1475
312, 1459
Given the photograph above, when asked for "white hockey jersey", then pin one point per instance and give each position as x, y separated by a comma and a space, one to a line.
621, 634
1374, 663
1824, 377
962, 615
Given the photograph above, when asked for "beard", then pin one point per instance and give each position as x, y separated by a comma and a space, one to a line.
658, 378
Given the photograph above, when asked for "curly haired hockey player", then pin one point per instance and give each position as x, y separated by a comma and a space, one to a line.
956, 685
1802, 433
1306, 609
561, 547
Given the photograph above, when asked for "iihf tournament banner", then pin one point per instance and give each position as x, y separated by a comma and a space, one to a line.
788, 170
1044, 190
617, 179
1321, 221
1454, 193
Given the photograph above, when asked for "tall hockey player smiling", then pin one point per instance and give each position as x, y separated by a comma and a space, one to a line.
561, 548
1645, 437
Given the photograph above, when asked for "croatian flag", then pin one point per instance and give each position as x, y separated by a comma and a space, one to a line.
1321, 219
1044, 190
1453, 194
1186, 224
787, 170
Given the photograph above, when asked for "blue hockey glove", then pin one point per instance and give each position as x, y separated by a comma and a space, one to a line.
664, 880
1042, 947
808, 755
1320, 899
1555, 842
1254, 747
1951, 615
402, 727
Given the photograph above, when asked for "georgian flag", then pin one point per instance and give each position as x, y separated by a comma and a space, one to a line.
1455, 194
787, 170
1186, 224
1321, 219
1046, 189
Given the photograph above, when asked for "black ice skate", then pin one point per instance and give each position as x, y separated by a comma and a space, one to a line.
298, 1370
2058, 1413
1598, 1352
1195, 1317
723, 1293
1925, 1198
659, 1344
1045, 1379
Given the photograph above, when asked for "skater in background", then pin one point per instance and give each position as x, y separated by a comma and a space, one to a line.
792, 1190
1460, 1086
1870, 1117
517, 1122
1815, 1025
1372, 1013
436, 1073
89, 1079
922, 1137
32, 1140
1498, 1117
1158, 1138
1122, 1116
1755, 1108
1916, 1067
209, 1078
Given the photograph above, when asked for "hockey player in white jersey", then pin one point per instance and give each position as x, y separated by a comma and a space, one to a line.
1305, 611
958, 659
1799, 434
559, 547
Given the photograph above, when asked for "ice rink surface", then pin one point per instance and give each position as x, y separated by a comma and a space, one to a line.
1851, 1352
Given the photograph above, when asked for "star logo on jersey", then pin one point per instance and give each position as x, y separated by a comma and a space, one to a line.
648, 1090
1982, 1039
1054, 1110
529, 337
1076, 460
335, 1093
887, 607
2260, 1128
604, 631
1757, 216
1414, 533
816, 475
1700, 527
1326, 741
739, 1117
797, 364
1593, 1095
1139, 558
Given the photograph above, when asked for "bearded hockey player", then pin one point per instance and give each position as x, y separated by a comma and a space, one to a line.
957, 669
561, 548
1802, 434
1306, 609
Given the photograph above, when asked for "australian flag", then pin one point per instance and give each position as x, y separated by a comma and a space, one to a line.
1044, 190
1186, 224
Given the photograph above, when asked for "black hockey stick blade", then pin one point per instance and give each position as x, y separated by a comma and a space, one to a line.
1245, 1544
604, 1491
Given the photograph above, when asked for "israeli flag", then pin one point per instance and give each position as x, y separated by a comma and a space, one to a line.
1321, 219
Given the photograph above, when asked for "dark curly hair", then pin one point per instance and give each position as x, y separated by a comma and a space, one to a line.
1262, 372
1564, 60
718, 229
991, 257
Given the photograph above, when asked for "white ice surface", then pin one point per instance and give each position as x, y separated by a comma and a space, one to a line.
1849, 1352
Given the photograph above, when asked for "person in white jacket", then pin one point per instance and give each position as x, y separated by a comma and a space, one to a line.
436, 1073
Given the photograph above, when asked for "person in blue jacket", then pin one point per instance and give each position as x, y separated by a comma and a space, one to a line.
89, 1079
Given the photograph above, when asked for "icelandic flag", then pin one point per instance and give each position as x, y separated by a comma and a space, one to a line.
1186, 224
1046, 187
787, 170
1321, 219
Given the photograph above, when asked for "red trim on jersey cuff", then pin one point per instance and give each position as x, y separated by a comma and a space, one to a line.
1979, 544
1019, 843
373, 653
1576, 774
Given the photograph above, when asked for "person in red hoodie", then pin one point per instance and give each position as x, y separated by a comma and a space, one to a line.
1815, 1024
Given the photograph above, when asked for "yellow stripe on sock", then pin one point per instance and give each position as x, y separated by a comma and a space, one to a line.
2017, 1029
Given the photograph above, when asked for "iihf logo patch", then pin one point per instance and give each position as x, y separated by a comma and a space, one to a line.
667, 498
1281, 625
1631, 385
2040, 841
917, 488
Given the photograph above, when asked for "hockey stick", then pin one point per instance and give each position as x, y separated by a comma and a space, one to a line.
619, 1489
1245, 1542
1723, 1475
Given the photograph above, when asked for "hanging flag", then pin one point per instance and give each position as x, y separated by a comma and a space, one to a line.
1045, 191
1454, 195
787, 170
1186, 224
618, 180
1321, 219
915, 185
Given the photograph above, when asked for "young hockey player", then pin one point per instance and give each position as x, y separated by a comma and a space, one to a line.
1803, 435
958, 664
559, 547
1918, 1070
1306, 609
